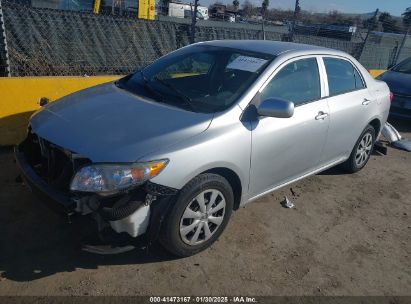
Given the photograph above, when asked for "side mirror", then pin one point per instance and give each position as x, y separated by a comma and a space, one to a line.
274, 107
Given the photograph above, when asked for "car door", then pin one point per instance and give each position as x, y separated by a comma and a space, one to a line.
286, 148
349, 102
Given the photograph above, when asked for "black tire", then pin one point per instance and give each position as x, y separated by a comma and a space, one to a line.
170, 237
350, 164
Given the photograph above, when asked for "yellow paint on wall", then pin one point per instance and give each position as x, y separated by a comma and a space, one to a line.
376, 73
19, 98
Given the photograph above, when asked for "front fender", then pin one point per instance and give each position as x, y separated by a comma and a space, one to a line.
225, 144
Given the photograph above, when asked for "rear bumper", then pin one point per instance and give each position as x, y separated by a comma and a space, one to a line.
55, 200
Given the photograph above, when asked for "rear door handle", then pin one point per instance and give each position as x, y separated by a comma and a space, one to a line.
366, 101
321, 115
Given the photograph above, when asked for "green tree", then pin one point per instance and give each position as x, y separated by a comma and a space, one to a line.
388, 23
248, 8
264, 6
335, 17
370, 23
236, 4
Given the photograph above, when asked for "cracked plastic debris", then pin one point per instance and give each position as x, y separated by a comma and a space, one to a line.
287, 203
394, 137
390, 133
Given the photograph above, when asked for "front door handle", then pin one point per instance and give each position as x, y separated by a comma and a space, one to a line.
366, 101
321, 115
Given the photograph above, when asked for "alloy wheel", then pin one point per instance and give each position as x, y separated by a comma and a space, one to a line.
202, 217
363, 150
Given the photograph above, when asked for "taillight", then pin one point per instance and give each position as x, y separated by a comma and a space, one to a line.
391, 96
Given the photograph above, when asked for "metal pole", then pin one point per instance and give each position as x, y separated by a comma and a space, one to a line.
4, 42
295, 15
263, 28
402, 44
370, 28
193, 22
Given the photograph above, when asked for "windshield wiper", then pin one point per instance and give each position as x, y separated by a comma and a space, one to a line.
187, 99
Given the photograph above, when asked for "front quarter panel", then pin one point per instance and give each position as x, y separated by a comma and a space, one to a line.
225, 144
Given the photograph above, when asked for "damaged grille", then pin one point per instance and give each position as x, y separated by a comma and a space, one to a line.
53, 164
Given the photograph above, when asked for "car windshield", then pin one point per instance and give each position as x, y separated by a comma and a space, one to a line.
200, 78
403, 67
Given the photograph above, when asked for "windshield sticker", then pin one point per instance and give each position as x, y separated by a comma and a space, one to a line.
245, 63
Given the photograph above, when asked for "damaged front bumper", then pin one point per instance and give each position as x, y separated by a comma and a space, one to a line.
129, 211
56, 201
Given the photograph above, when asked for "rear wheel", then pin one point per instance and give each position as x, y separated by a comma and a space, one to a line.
362, 151
199, 216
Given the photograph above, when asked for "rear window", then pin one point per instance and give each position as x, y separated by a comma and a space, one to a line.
342, 76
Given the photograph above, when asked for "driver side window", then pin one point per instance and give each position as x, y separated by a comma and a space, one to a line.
298, 81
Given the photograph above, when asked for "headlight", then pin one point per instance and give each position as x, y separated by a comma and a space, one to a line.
110, 178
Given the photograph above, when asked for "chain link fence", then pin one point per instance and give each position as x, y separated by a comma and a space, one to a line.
44, 41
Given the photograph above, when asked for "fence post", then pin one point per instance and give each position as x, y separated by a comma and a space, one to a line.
402, 44
370, 28
263, 29
4, 55
193, 22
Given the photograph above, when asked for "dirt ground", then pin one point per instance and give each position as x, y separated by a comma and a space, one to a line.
348, 235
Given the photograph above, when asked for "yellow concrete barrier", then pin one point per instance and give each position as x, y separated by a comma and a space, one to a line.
19, 98
376, 73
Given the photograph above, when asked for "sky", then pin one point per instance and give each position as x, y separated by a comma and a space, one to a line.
394, 7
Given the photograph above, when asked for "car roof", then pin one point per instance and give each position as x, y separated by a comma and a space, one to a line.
273, 47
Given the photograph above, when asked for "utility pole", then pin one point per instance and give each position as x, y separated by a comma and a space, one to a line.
370, 28
193, 22
295, 16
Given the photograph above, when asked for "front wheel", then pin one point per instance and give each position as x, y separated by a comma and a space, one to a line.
362, 151
199, 216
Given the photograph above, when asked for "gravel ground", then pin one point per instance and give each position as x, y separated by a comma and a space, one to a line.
348, 235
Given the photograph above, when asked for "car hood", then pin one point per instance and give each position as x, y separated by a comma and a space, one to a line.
107, 124
399, 83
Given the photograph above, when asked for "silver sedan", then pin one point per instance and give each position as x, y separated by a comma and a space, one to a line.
171, 150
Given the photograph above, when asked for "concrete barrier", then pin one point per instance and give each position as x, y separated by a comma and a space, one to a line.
19, 98
376, 73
